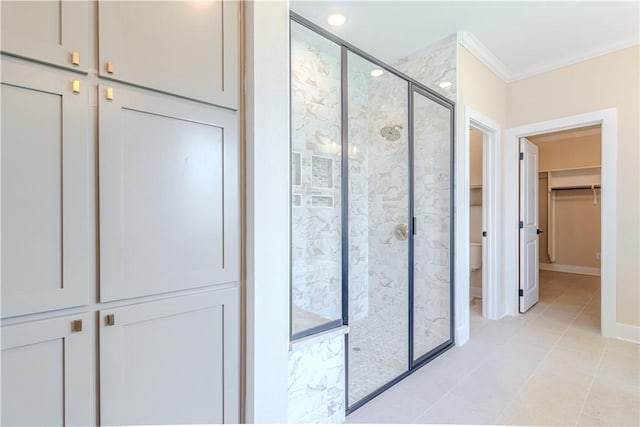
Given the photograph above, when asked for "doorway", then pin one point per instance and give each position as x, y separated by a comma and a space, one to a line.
560, 200
607, 120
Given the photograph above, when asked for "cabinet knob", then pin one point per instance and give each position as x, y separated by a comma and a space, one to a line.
109, 93
76, 325
109, 67
110, 319
75, 57
75, 86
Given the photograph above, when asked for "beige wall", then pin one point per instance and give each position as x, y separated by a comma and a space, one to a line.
475, 157
607, 81
480, 89
577, 218
568, 153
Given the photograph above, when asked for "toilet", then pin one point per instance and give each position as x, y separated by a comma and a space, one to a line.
475, 234
475, 256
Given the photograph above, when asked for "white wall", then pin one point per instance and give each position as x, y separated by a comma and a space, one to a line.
267, 219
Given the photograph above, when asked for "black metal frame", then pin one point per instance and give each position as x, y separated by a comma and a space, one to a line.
413, 86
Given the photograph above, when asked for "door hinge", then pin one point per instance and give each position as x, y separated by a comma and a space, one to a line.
521, 156
521, 292
521, 224
413, 225
484, 234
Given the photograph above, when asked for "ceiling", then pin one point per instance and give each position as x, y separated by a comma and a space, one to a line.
516, 39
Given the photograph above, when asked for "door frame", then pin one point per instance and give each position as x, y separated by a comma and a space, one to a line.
607, 118
491, 213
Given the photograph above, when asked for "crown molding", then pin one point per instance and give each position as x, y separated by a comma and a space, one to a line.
484, 55
574, 59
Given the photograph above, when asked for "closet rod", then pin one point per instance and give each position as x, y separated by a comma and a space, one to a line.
582, 187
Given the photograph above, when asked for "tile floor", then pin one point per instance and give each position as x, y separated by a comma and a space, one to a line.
548, 367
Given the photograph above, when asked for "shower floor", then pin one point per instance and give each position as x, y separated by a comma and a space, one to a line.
378, 353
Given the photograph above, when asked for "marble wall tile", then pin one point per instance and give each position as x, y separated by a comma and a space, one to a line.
317, 382
434, 64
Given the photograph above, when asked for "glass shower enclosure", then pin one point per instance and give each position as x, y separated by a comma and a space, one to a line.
371, 197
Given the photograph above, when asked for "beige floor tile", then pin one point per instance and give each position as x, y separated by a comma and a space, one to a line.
581, 340
452, 409
393, 406
587, 420
607, 401
539, 336
524, 412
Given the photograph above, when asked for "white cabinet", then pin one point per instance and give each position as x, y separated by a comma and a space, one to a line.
46, 373
187, 48
172, 361
45, 201
54, 32
168, 194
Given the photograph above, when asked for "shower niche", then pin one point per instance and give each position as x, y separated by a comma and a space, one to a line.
371, 191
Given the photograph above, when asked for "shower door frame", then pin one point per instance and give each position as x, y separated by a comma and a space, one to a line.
413, 86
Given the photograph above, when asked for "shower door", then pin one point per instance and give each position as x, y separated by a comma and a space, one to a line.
431, 285
399, 171
378, 228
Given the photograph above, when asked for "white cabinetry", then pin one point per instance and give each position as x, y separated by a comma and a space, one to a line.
119, 200
186, 48
53, 32
168, 194
172, 361
45, 194
46, 372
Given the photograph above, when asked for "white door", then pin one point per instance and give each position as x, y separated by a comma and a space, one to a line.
529, 278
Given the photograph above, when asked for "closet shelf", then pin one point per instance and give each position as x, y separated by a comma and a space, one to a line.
575, 178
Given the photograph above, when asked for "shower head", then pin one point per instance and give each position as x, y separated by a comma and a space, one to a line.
391, 133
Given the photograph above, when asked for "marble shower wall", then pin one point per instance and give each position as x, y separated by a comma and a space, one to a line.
387, 280
432, 207
316, 186
433, 65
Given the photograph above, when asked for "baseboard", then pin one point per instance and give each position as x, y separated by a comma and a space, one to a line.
627, 332
589, 271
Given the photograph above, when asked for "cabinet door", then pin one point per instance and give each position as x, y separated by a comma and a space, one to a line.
45, 204
173, 361
47, 31
46, 373
168, 194
187, 48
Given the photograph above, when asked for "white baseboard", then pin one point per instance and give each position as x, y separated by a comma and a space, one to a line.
576, 269
627, 333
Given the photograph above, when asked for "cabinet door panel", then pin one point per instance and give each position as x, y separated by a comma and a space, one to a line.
45, 224
47, 31
173, 361
168, 195
46, 371
187, 48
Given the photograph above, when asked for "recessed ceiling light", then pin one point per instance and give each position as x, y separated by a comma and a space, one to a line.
445, 84
336, 19
377, 72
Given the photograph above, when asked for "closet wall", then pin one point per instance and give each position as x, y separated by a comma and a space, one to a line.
577, 217
120, 213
